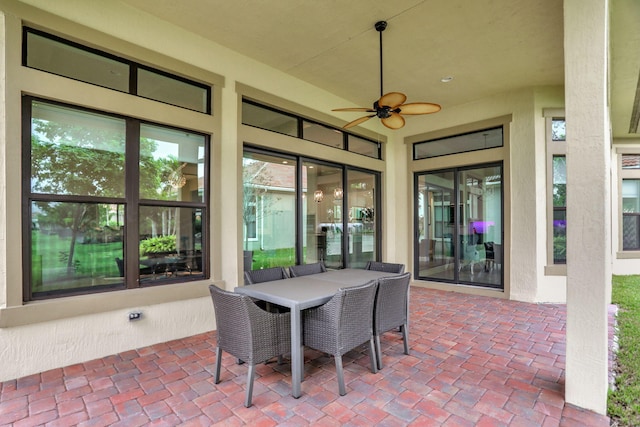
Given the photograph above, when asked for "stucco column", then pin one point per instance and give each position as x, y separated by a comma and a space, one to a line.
397, 240
588, 202
229, 206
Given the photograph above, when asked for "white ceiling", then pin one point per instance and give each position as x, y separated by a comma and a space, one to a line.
487, 46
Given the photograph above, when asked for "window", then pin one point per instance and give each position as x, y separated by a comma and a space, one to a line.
268, 118
363, 146
113, 202
556, 148
250, 219
473, 141
630, 165
559, 192
322, 134
56, 55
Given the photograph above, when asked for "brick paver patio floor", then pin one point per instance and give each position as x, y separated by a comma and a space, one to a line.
475, 361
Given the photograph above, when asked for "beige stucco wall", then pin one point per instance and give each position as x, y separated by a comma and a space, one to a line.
37, 347
3, 161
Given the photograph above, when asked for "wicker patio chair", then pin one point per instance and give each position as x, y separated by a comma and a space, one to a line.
306, 269
390, 310
342, 324
387, 267
248, 332
252, 277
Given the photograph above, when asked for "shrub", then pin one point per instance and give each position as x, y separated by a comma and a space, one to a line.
158, 245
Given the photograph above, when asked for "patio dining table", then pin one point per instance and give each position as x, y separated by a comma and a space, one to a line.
299, 293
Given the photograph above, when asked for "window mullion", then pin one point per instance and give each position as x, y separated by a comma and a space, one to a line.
132, 199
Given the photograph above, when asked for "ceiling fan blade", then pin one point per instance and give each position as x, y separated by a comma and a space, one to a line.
356, 122
368, 110
392, 99
394, 121
419, 108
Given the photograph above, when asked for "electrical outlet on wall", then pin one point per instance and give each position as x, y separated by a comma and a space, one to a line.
135, 315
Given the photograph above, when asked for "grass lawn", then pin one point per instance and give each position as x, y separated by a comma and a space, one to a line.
623, 405
273, 258
50, 254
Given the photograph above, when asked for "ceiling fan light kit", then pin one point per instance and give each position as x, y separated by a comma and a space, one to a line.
390, 107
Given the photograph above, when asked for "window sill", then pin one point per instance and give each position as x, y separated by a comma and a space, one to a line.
83, 305
628, 255
555, 270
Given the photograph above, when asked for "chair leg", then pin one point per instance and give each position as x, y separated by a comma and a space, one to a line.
250, 375
378, 352
405, 338
373, 356
341, 388
216, 377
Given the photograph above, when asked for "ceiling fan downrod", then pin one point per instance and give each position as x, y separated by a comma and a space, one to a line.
380, 27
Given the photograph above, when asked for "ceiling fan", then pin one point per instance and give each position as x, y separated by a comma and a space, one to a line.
390, 107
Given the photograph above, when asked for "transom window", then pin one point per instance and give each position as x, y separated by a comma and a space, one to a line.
472, 141
56, 55
112, 202
267, 118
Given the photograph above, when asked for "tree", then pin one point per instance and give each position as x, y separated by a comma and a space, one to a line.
85, 158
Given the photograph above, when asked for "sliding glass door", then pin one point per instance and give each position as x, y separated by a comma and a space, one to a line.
458, 223
301, 211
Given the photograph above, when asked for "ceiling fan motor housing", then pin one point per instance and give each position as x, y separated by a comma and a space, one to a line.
384, 111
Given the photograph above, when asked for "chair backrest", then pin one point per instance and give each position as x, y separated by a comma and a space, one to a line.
390, 309
306, 269
488, 250
265, 275
246, 331
345, 321
120, 264
232, 321
387, 267
497, 253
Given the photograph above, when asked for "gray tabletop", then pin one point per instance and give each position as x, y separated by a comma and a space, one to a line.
304, 292
309, 291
